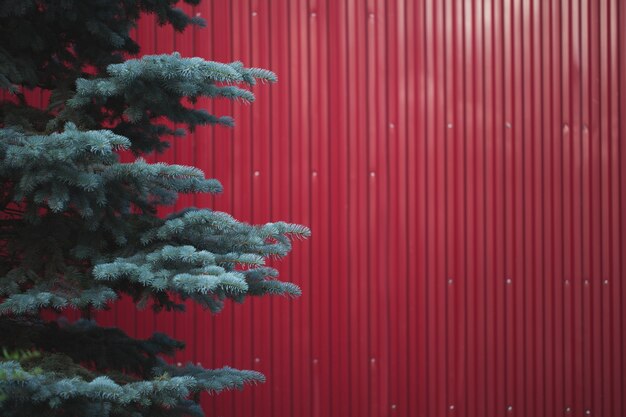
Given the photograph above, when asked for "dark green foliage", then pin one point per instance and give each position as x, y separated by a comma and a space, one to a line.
49, 44
78, 228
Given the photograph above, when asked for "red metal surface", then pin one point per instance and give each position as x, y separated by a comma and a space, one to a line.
461, 166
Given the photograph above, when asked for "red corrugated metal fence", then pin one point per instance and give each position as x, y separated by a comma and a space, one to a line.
461, 165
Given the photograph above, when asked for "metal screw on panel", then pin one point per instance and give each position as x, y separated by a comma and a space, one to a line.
254, 13
393, 406
567, 282
313, 14
450, 281
371, 15
509, 408
508, 125
449, 125
315, 361
451, 407
314, 173
568, 410
372, 360
606, 282
509, 281
565, 128
391, 125
179, 364
372, 174
257, 173
586, 282
257, 360
588, 412
199, 363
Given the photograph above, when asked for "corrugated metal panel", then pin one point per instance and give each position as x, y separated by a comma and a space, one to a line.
460, 164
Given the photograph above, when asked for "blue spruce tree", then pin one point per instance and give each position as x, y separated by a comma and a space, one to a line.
79, 229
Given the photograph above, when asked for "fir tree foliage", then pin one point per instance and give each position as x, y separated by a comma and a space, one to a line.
79, 227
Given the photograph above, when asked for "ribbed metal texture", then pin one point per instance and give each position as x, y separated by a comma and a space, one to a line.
461, 166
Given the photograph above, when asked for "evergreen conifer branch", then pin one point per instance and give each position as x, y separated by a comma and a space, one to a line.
137, 93
79, 227
31, 392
